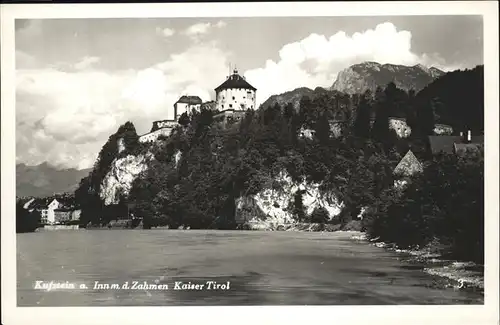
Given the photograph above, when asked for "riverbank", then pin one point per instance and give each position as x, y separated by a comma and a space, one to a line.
467, 276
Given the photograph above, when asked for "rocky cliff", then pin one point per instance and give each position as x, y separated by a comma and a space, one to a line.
271, 209
119, 179
370, 75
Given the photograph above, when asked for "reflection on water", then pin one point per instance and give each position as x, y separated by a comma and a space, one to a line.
262, 268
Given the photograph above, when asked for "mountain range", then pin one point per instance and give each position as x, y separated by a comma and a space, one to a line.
45, 180
369, 75
358, 78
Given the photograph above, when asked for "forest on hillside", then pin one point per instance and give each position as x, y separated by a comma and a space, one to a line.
221, 163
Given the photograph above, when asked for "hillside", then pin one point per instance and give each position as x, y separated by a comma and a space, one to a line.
44, 180
293, 97
457, 99
369, 75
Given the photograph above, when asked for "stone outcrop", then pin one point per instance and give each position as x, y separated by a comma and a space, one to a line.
271, 209
369, 75
119, 179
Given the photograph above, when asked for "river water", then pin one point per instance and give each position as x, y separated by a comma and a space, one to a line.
262, 268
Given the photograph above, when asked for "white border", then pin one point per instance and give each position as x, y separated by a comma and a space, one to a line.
486, 314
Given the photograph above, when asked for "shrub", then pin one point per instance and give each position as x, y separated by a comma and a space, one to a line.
319, 215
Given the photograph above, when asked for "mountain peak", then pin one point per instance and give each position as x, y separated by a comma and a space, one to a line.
369, 75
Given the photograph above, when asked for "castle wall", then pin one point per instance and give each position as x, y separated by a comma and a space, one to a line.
152, 136
238, 99
164, 124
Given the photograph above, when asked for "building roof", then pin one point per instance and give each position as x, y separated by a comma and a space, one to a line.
235, 81
63, 210
409, 165
446, 143
461, 148
192, 100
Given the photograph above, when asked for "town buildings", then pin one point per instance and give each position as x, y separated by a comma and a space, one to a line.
53, 210
458, 144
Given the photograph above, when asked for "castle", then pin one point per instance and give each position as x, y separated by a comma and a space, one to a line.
233, 98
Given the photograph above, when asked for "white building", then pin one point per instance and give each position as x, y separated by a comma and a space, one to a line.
153, 136
48, 213
235, 93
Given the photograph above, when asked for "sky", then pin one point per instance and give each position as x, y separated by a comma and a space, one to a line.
78, 80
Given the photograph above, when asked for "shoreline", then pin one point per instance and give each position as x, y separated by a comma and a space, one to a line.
458, 275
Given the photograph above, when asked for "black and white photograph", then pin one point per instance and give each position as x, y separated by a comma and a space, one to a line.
261, 160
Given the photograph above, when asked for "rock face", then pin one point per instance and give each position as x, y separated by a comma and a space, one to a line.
370, 75
400, 126
270, 209
119, 179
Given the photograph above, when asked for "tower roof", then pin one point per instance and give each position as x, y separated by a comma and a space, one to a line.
235, 81
192, 100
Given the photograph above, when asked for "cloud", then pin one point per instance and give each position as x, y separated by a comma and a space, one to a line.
316, 60
64, 117
165, 32
25, 60
221, 24
199, 29
86, 62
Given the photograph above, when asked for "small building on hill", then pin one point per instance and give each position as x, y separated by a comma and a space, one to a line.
451, 144
186, 104
443, 129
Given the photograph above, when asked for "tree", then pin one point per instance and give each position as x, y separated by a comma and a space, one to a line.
380, 130
320, 215
184, 119
26, 221
322, 129
298, 206
363, 116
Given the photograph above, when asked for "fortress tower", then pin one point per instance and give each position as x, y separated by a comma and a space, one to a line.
235, 94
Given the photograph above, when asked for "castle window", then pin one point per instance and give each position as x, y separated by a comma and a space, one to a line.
230, 105
234, 98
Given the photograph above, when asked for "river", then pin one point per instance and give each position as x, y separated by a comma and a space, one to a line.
262, 268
